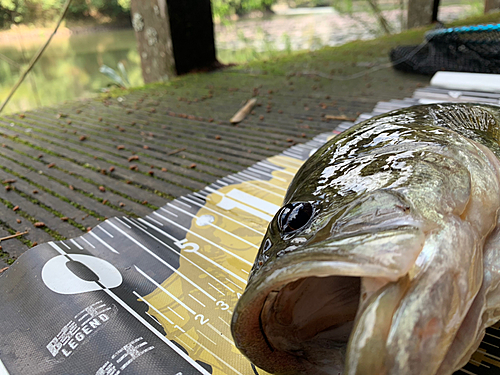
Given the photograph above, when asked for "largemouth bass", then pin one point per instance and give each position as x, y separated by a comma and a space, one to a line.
385, 257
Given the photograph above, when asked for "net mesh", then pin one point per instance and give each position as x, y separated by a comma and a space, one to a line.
460, 49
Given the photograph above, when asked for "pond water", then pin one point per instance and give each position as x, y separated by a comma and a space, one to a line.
69, 68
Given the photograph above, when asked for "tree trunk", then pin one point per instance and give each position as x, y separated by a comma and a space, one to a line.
173, 37
491, 5
419, 13
435, 10
192, 31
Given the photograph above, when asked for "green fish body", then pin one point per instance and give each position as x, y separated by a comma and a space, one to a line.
385, 257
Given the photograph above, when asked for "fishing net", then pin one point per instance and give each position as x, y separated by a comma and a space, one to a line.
460, 49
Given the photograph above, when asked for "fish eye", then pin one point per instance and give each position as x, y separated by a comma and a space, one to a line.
294, 216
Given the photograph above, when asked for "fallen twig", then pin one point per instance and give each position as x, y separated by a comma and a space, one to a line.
176, 151
4, 269
13, 236
341, 117
243, 112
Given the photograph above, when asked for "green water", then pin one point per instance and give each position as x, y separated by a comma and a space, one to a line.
68, 69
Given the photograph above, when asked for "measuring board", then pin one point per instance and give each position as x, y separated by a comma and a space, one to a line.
155, 295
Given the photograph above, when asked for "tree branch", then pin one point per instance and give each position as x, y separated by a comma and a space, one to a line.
36, 57
381, 19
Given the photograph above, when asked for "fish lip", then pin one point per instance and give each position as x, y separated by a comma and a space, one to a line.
292, 251
246, 326
395, 223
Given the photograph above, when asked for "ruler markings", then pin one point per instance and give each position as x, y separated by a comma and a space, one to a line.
215, 226
124, 224
84, 239
105, 231
154, 221
159, 286
259, 187
164, 262
205, 336
235, 284
182, 256
76, 244
219, 333
172, 310
216, 289
224, 321
225, 216
104, 243
271, 184
152, 306
141, 320
197, 300
205, 239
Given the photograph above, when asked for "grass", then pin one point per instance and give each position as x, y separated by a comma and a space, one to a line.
363, 6
340, 62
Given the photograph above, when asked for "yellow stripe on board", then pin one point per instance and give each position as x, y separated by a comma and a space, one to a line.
216, 257
239, 215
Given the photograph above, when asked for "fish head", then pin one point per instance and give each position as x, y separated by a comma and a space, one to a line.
321, 258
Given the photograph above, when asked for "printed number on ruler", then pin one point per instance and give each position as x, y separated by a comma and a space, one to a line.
189, 247
223, 306
202, 318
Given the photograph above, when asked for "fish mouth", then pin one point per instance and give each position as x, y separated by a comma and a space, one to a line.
297, 319
298, 312
310, 316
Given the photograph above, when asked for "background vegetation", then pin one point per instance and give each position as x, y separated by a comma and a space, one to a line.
39, 12
42, 11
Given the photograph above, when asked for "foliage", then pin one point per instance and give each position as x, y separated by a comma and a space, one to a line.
41, 11
119, 79
343, 6
350, 7
125, 4
308, 3
226, 8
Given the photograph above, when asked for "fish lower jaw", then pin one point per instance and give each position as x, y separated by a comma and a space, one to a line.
312, 319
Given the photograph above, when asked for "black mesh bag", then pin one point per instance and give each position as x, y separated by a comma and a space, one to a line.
460, 49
